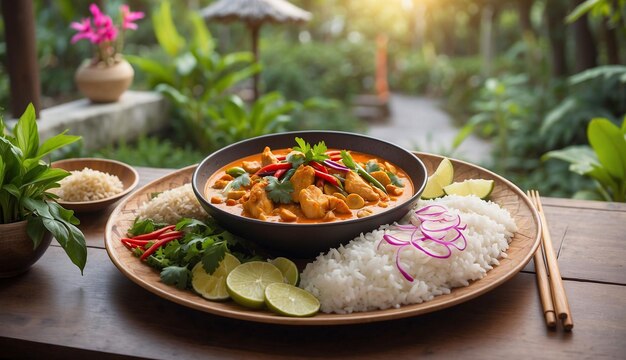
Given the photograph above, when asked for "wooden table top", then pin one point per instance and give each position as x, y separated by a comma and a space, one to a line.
55, 312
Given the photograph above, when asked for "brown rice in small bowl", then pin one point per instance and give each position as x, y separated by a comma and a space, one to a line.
94, 184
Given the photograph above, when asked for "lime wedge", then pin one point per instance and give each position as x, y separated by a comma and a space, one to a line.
289, 300
213, 287
479, 187
289, 270
246, 283
442, 176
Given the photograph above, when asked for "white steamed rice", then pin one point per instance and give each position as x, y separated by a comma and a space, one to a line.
88, 185
172, 205
358, 277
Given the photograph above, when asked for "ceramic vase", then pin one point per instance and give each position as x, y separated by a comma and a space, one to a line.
102, 83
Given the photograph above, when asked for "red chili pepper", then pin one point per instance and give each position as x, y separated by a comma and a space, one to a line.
318, 166
273, 168
281, 157
334, 152
170, 233
335, 158
280, 172
154, 234
136, 241
157, 245
327, 177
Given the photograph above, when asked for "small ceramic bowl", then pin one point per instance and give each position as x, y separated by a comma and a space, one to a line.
308, 240
127, 175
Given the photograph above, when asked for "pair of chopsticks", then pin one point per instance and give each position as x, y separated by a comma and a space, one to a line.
551, 290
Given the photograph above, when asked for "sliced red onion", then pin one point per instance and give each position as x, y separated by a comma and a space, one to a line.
437, 225
335, 165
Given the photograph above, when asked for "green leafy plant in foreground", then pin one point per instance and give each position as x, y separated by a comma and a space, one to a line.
604, 161
24, 183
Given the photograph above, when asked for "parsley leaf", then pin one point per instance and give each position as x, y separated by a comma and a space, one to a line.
279, 192
296, 159
395, 180
372, 166
213, 256
316, 153
176, 275
241, 180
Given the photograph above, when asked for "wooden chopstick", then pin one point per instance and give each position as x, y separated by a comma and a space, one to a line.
559, 297
544, 288
545, 294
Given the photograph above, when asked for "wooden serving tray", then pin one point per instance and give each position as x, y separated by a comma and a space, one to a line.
507, 195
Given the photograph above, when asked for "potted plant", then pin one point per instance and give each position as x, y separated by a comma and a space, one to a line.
106, 76
29, 216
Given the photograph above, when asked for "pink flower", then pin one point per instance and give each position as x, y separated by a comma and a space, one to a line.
84, 31
98, 17
129, 17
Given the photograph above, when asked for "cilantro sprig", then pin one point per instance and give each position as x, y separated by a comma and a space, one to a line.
310, 153
279, 191
204, 241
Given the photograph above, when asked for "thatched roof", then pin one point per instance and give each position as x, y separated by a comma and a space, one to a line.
255, 11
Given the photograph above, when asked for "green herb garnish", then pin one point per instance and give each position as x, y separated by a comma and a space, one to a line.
315, 153
348, 161
395, 180
279, 192
372, 166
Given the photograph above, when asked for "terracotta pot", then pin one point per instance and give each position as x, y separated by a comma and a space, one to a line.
102, 84
16, 248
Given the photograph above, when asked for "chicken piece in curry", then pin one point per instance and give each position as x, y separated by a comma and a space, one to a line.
308, 184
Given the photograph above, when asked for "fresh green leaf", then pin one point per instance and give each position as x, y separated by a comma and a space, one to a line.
26, 132
35, 230
296, 159
202, 41
213, 255
144, 226
279, 192
48, 176
241, 181
315, 153
55, 142
166, 32
607, 140
372, 166
395, 180
581, 9
176, 275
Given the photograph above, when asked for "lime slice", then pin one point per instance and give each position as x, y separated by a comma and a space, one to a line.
442, 176
213, 287
479, 187
246, 283
289, 270
289, 300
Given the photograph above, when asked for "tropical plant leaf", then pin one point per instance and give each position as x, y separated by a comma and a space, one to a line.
35, 230
26, 132
202, 40
581, 10
160, 72
165, 30
54, 143
581, 157
607, 140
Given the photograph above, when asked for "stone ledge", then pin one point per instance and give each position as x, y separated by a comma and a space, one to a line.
136, 113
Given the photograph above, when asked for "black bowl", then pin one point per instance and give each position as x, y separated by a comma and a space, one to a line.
307, 240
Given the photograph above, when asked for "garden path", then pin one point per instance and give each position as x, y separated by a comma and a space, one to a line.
418, 123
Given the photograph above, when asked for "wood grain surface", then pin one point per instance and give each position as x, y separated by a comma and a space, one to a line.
104, 312
53, 312
522, 246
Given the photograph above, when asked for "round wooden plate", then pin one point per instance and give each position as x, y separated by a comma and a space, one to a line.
522, 247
